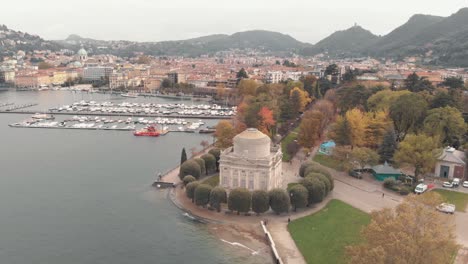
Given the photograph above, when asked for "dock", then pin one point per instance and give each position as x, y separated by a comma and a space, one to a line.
31, 112
164, 132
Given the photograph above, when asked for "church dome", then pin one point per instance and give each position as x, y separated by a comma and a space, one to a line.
82, 52
252, 143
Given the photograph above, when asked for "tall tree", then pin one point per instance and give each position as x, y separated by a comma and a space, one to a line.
364, 157
304, 97
183, 156
388, 147
242, 74
357, 123
414, 83
339, 131
326, 108
418, 151
332, 69
378, 123
381, 101
247, 87
311, 128
224, 134
447, 124
309, 83
412, 233
266, 120
352, 97
454, 82
407, 113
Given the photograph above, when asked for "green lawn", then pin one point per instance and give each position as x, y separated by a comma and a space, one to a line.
284, 143
460, 200
213, 180
327, 161
323, 236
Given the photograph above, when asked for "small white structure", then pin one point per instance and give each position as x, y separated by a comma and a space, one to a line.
451, 164
252, 163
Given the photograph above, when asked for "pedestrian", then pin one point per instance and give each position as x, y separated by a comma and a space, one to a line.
289, 220
383, 195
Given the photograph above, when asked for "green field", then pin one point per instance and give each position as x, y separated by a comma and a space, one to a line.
213, 180
327, 161
284, 143
323, 236
460, 200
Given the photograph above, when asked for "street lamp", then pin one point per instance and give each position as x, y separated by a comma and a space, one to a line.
292, 195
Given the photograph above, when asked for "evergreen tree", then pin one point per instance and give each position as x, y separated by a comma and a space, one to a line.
242, 74
388, 147
183, 156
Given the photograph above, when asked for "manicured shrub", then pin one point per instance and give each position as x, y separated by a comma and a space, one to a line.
217, 197
240, 200
188, 179
216, 152
260, 201
321, 178
202, 194
316, 169
190, 167
279, 201
299, 196
210, 163
201, 163
304, 166
315, 188
190, 189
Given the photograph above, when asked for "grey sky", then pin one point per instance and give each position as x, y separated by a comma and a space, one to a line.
155, 20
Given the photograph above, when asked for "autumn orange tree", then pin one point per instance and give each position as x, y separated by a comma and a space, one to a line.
412, 233
266, 120
311, 128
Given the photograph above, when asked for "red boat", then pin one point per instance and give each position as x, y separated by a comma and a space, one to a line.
149, 131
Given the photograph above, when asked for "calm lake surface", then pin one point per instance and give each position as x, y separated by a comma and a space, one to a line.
85, 196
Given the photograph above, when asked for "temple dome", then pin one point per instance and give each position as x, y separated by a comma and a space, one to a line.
82, 52
252, 143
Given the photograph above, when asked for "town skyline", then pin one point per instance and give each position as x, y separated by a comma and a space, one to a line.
184, 20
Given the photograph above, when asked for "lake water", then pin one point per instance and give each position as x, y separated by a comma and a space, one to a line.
85, 196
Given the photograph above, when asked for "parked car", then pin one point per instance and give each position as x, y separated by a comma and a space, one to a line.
420, 188
456, 182
355, 174
465, 184
446, 208
447, 185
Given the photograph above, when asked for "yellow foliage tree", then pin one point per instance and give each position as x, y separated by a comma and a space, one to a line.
224, 134
310, 129
412, 233
304, 98
377, 125
356, 126
381, 101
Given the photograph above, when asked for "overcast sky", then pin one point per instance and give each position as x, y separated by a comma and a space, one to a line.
156, 20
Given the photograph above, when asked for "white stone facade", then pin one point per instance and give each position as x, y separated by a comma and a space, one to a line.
252, 163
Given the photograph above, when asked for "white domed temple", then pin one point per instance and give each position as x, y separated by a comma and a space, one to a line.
252, 163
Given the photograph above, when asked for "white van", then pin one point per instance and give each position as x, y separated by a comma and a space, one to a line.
420, 188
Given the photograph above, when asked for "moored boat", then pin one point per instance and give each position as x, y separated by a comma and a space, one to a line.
149, 131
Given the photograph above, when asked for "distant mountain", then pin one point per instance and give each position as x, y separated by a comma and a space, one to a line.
401, 38
12, 41
255, 40
438, 40
443, 39
344, 43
